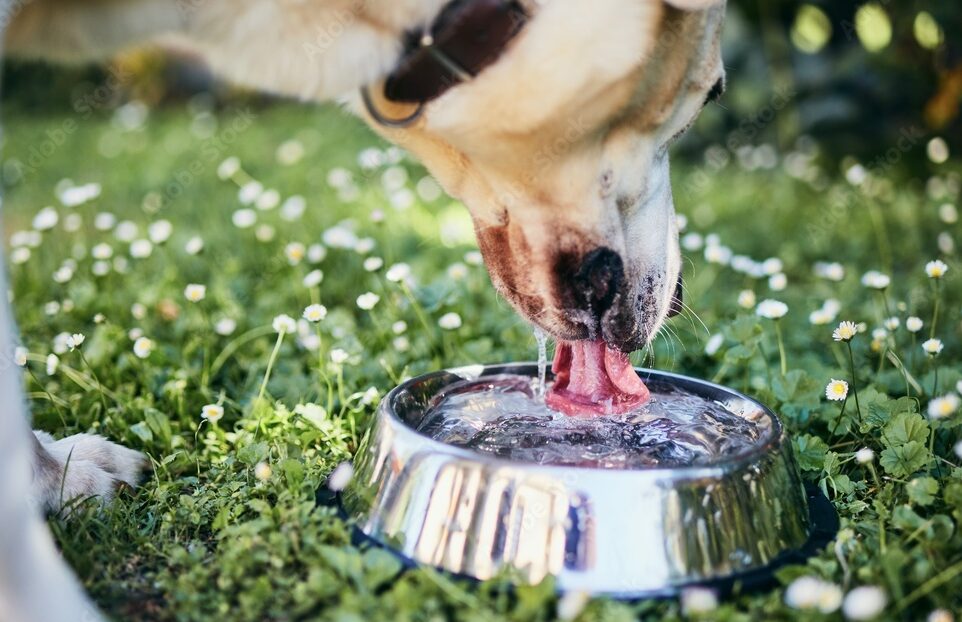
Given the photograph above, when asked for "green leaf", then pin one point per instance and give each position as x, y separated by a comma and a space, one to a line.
922, 490
905, 460
142, 431
905, 427
253, 453
739, 354
810, 452
380, 566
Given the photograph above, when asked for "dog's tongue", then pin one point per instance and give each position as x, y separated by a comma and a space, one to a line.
592, 378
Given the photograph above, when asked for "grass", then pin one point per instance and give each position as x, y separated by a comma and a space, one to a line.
213, 533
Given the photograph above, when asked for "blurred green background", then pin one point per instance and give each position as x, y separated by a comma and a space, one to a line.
852, 77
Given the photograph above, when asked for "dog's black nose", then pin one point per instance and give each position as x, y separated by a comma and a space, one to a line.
598, 278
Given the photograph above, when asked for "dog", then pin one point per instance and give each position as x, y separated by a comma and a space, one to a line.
550, 119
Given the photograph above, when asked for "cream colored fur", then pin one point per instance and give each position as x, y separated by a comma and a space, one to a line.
558, 148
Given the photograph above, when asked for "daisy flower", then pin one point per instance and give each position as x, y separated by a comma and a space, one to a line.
194, 245
141, 249
864, 603
102, 251
746, 299
718, 254
340, 477
473, 258
364, 246
228, 168
932, 347
160, 231
225, 326
813, 593
313, 278
244, 218
373, 264
53, 362
284, 324
293, 208
249, 192
771, 309
450, 321
820, 317
832, 271
398, 272
913, 324
457, 271
20, 356
777, 282
845, 331
692, 241
46, 219
339, 356
75, 340
940, 615
212, 412
294, 252
571, 604
316, 253
892, 323
269, 199
864, 455
262, 471
836, 390
401, 344
874, 279
936, 269
714, 343
367, 301
696, 600
399, 327
315, 313
941, 407
195, 292
143, 347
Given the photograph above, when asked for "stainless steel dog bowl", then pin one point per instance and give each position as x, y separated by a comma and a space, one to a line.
625, 533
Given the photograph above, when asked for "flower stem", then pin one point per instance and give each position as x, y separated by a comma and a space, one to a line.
267, 376
851, 361
840, 414
781, 348
935, 310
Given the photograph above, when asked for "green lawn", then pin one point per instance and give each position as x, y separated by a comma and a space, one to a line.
213, 533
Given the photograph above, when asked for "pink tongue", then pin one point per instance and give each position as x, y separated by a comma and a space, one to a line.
592, 378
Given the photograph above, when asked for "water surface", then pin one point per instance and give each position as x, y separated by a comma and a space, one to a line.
505, 416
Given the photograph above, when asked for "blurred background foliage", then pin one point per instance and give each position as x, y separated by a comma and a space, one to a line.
852, 78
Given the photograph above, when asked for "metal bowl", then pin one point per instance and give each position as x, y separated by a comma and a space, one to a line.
625, 533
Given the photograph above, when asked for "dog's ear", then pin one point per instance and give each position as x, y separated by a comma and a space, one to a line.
694, 5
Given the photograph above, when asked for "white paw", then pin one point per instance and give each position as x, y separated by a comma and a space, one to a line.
83, 466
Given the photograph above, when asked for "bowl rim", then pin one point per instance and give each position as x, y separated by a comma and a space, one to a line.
775, 441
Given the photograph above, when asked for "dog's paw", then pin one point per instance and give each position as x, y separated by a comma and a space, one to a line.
83, 466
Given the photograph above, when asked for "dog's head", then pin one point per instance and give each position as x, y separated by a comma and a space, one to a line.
560, 152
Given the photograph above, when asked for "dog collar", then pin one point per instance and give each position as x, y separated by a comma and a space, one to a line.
465, 37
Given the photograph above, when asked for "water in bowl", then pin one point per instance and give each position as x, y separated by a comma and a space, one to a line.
505, 416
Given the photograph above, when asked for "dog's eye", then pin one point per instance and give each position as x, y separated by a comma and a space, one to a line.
716, 91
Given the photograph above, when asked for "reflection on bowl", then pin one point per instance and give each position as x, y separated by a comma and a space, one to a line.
633, 530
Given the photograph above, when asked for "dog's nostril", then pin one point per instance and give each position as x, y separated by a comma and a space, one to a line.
599, 278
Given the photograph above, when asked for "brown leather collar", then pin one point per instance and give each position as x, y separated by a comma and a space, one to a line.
466, 37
